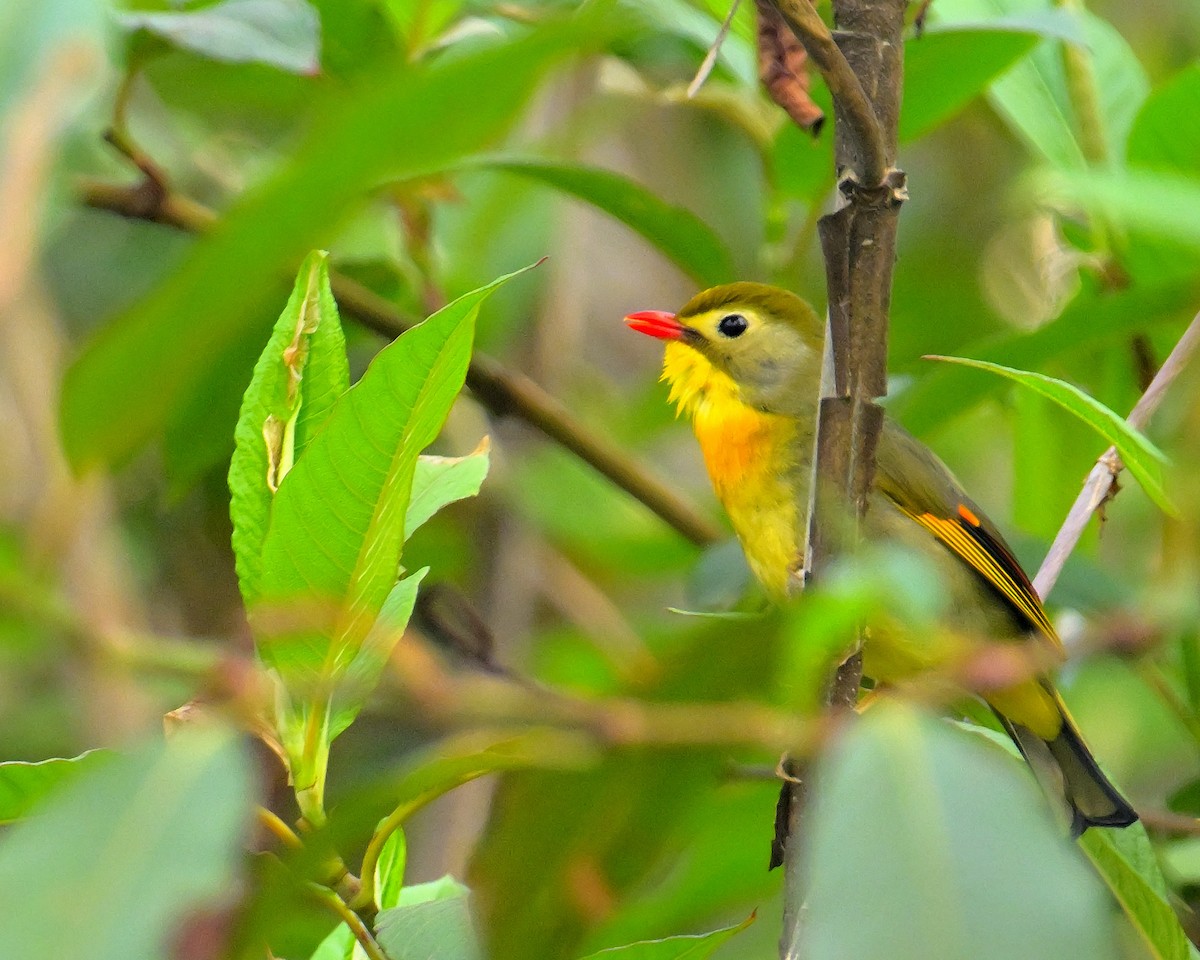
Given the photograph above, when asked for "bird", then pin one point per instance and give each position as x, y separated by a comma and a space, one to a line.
744, 363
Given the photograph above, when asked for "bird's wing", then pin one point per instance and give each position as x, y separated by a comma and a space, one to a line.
927, 492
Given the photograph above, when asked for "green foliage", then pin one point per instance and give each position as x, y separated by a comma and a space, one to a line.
186, 323
1126, 861
280, 33
299, 377
167, 821
1051, 233
327, 607
949, 66
431, 919
935, 834
1144, 460
673, 948
25, 785
680, 235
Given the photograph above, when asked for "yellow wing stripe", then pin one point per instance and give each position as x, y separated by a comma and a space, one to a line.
963, 543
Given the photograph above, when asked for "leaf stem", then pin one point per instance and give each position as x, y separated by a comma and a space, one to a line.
280, 830
351, 919
853, 107
1098, 488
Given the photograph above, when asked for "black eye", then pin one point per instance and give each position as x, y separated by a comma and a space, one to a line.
732, 325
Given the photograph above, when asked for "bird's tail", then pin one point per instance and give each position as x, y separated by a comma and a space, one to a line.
1065, 767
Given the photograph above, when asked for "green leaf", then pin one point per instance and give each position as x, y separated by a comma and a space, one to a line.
227, 280
1127, 863
464, 757
280, 33
296, 382
1142, 458
24, 785
1155, 203
678, 233
119, 857
439, 926
1034, 98
950, 845
689, 947
949, 66
338, 520
1165, 135
331, 556
444, 480
368, 662
339, 945
389, 872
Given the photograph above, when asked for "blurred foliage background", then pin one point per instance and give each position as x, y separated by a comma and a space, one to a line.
1054, 223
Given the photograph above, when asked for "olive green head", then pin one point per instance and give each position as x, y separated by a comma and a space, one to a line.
767, 340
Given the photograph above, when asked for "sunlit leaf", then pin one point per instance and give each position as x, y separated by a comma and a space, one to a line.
366, 663
433, 920
1142, 458
693, 947
1034, 96
337, 525
1155, 203
331, 555
24, 785
280, 33
1165, 135
948, 66
389, 872
949, 848
137, 370
1126, 861
128, 849
681, 236
299, 377
439, 481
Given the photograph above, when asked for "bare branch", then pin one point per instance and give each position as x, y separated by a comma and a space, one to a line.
871, 156
863, 70
1098, 488
503, 391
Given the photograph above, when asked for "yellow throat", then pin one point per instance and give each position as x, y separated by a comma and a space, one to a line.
758, 463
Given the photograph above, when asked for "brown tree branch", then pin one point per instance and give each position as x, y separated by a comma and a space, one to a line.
870, 158
503, 391
863, 70
1098, 488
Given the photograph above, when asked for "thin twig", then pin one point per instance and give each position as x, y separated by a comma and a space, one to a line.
1098, 487
351, 919
1168, 821
710, 58
503, 391
277, 828
853, 107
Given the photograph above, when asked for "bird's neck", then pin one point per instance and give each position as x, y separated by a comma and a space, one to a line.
699, 389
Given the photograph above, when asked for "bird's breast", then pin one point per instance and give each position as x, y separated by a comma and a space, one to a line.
752, 460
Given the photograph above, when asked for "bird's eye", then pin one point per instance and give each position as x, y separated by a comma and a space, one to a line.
732, 325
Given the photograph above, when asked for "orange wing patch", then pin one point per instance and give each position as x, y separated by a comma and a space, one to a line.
992, 560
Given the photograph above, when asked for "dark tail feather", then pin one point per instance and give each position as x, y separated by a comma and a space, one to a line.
1066, 768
